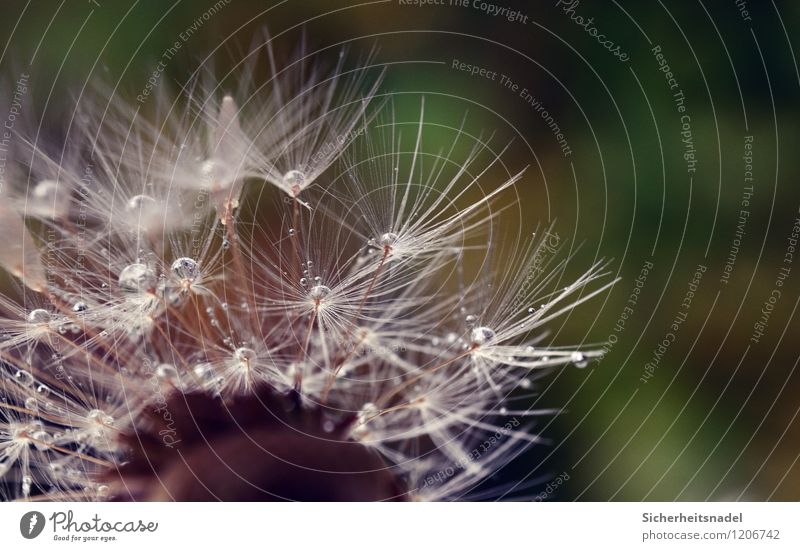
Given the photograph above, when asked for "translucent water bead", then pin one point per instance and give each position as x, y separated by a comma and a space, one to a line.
39, 316
207, 376
167, 372
368, 412
481, 336
24, 378
51, 197
100, 418
579, 359
319, 292
388, 239
99, 432
295, 181
137, 279
138, 203
185, 269
245, 356
42, 440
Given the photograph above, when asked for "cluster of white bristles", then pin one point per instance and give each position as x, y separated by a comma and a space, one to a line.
146, 272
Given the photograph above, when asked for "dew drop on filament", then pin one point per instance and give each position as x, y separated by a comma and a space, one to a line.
43, 440
245, 356
319, 292
24, 378
99, 417
138, 203
481, 336
579, 359
137, 279
388, 239
167, 372
295, 181
39, 315
185, 269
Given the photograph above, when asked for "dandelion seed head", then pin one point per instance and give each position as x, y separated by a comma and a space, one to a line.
345, 327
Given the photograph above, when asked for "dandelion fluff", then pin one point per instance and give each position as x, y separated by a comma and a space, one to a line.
336, 348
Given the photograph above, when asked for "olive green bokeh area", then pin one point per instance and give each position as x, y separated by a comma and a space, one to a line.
717, 418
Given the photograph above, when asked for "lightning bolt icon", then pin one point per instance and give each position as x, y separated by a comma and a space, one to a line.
34, 522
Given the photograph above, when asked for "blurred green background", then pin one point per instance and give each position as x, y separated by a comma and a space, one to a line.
718, 418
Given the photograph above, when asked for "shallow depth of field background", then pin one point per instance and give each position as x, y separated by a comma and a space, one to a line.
718, 417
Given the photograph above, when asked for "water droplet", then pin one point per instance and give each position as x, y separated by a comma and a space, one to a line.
245, 356
471, 320
291, 231
304, 281
24, 378
52, 197
503, 411
481, 336
80, 307
167, 372
579, 359
208, 168
43, 440
27, 481
137, 203
525, 383
39, 315
367, 412
388, 239
531, 310
319, 292
295, 181
137, 279
42, 391
185, 269
328, 426
31, 403
207, 375
100, 417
